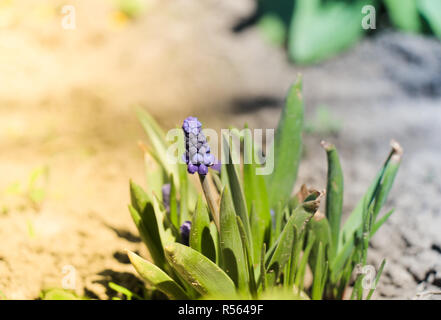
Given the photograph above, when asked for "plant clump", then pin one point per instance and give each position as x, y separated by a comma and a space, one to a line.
247, 236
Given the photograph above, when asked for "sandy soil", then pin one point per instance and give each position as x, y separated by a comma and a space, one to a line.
66, 104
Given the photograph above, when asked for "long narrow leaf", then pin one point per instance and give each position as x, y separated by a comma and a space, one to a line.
200, 236
157, 278
157, 139
200, 272
287, 147
377, 278
334, 194
404, 14
317, 288
282, 253
257, 199
380, 222
149, 234
238, 196
431, 10
354, 222
230, 243
249, 261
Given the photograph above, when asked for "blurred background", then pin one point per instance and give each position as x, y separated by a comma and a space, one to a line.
72, 71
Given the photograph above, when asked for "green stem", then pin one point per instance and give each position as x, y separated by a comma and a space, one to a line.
214, 208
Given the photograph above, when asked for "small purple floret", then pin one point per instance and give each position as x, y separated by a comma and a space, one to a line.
217, 166
166, 195
185, 232
203, 169
191, 168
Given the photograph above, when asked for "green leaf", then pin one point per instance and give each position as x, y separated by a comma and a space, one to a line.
262, 278
199, 271
334, 194
120, 289
380, 186
58, 294
404, 14
319, 274
282, 253
431, 11
157, 140
282, 293
320, 227
257, 199
300, 277
238, 196
278, 219
215, 237
386, 184
148, 229
319, 31
200, 235
160, 214
287, 148
230, 243
295, 256
380, 222
185, 194
248, 259
174, 218
342, 258
377, 278
156, 277
138, 197
154, 175
273, 29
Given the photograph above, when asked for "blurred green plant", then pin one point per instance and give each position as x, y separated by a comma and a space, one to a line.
132, 8
124, 292
323, 122
31, 229
315, 30
30, 193
251, 238
59, 294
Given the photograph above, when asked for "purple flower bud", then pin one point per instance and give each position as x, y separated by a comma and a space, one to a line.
191, 125
203, 169
166, 195
191, 168
192, 151
197, 158
217, 166
185, 232
201, 138
193, 141
208, 159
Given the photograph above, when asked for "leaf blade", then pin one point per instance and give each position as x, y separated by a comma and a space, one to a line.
156, 277
287, 147
200, 272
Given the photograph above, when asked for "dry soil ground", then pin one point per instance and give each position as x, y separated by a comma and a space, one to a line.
66, 101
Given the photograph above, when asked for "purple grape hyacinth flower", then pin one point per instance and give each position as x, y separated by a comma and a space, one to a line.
197, 151
185, 232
